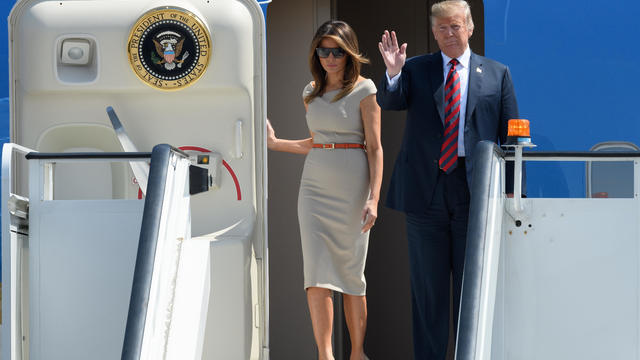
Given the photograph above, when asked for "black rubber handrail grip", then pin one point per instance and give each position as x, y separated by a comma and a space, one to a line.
569, 154
88, 155
145, 258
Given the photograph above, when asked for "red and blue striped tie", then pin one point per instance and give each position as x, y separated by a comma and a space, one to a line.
449, 150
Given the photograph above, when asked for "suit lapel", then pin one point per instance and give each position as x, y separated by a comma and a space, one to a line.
475, 84
436, 74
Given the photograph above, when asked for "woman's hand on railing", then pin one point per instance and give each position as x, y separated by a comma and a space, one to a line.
271, 136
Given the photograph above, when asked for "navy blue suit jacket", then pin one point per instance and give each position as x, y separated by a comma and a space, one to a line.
491, 102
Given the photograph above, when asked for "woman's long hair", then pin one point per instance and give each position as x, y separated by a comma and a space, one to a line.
346, 38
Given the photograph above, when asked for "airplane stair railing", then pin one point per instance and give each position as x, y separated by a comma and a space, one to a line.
70, 264
550, 278
167, 316
483, 249
51, 295
14, 235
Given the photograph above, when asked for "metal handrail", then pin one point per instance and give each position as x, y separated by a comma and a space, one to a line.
11, 339
89, 156
145, 258
11, 264
575, 156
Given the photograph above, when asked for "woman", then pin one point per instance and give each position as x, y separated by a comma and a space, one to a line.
340, 185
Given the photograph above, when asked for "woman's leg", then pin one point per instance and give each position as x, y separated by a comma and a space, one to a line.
321, 310
355, 310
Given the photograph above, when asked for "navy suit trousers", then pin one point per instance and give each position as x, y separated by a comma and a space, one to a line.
437, 241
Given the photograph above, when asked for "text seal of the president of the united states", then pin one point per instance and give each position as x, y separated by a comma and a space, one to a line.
169, 48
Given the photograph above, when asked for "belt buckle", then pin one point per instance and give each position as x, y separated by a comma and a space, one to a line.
330, 146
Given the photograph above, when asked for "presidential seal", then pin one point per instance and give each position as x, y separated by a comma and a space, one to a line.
169, 48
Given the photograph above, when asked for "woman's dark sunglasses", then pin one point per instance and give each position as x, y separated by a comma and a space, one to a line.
324, 52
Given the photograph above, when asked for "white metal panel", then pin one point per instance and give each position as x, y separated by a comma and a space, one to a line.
229, 321
80, 276
570, 282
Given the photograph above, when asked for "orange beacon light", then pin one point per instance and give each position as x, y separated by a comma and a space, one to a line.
518, 132
518, 137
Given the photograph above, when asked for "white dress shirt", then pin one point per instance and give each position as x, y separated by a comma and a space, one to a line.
463, 72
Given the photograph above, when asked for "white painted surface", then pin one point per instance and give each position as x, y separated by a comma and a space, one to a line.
229, 322
80, 276
569, 283
174, 229
191, 301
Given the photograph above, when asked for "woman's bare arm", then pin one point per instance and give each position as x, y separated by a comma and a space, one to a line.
301, 146
371, 122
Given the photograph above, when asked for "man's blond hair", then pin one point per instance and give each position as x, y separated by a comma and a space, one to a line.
449, 7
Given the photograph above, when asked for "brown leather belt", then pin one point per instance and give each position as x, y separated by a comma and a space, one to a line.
338, 146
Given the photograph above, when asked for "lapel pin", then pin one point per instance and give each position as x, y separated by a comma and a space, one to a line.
479, 69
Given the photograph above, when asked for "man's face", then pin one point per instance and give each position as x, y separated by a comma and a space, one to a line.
452, 34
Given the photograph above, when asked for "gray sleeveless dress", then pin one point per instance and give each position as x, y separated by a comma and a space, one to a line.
333, 191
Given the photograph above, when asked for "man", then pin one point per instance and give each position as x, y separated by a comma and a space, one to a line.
454, 98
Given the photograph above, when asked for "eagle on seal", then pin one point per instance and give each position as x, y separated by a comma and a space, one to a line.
169, 50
